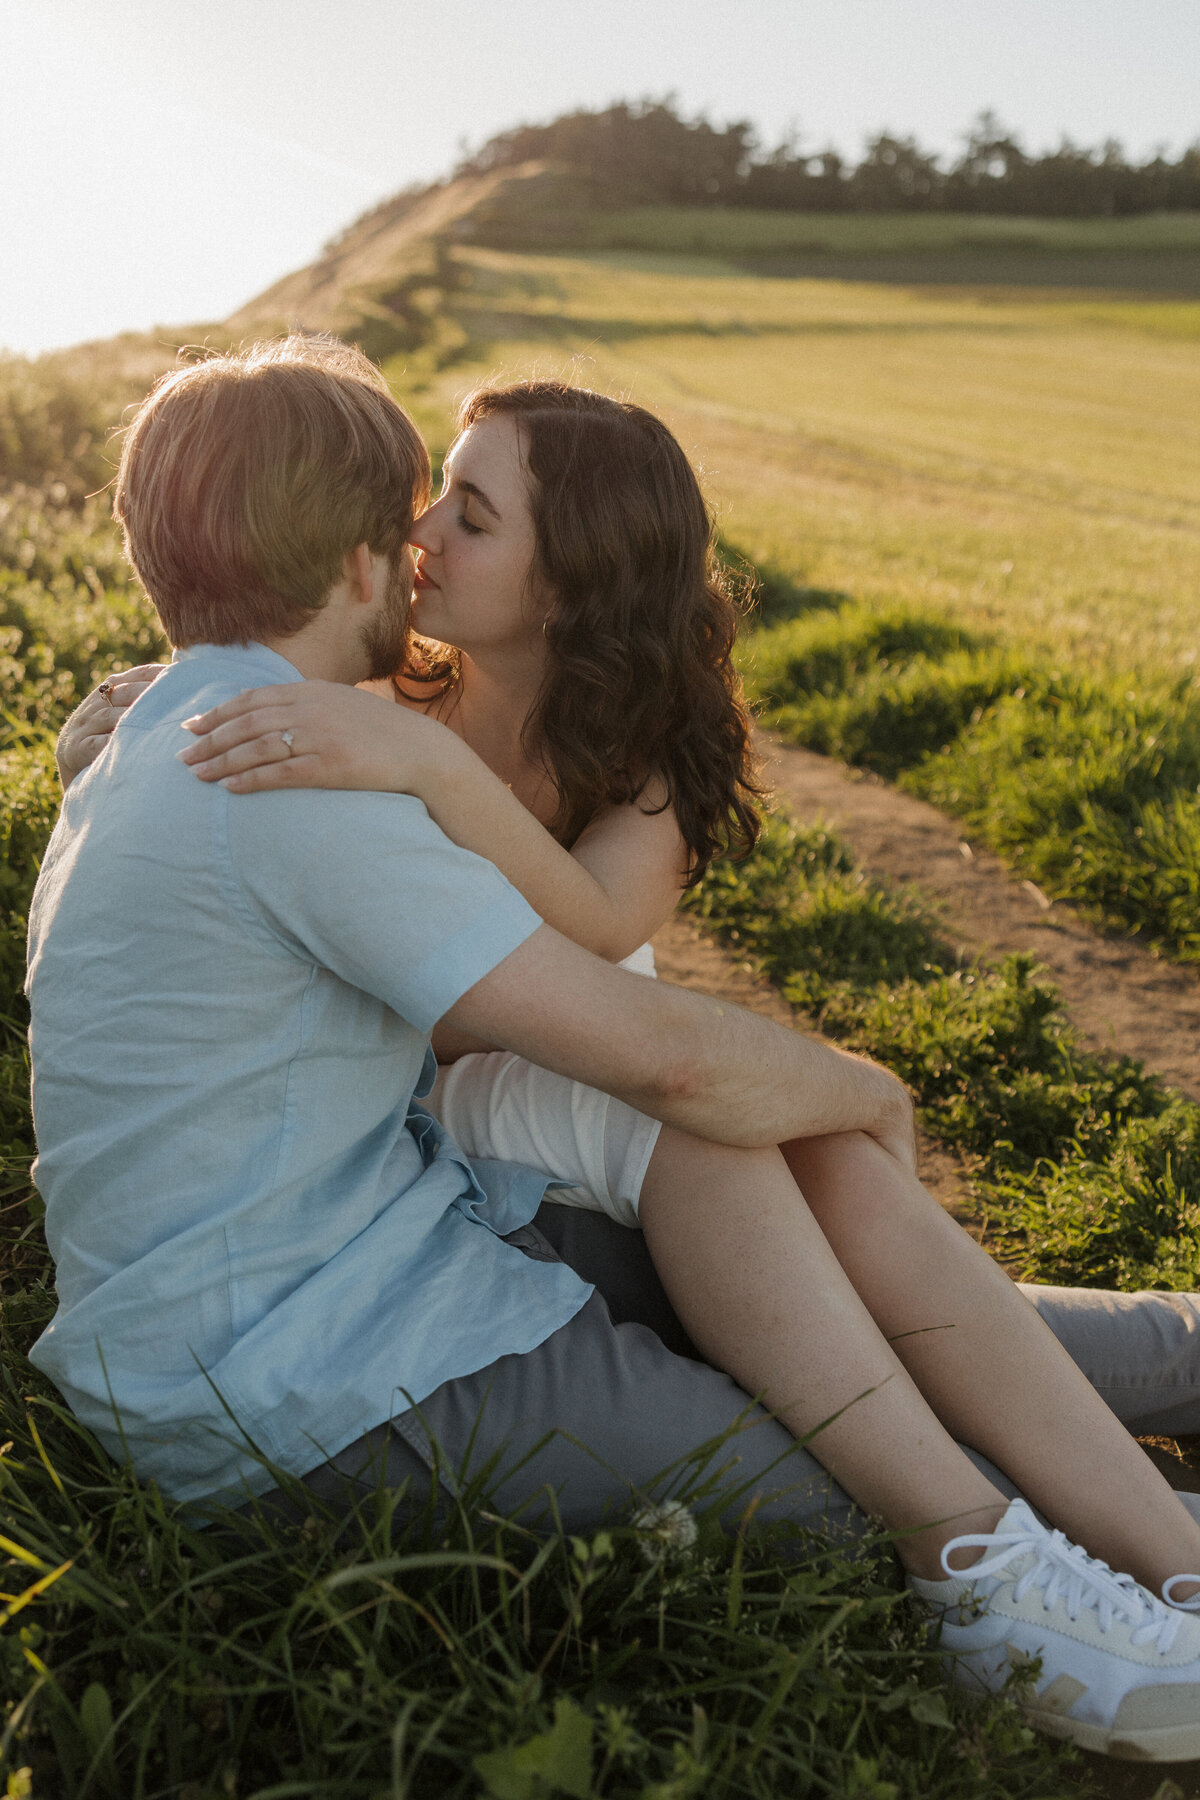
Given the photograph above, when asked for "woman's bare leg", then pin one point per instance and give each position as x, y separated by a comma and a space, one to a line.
762, 1294
798, 1301
990, 1369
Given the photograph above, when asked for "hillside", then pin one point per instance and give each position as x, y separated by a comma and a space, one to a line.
408, 278
377, 269
989, 417
388, 280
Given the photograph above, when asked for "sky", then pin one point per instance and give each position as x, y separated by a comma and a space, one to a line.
162, 161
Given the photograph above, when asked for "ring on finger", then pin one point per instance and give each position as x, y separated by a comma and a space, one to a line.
106, 688
288, 738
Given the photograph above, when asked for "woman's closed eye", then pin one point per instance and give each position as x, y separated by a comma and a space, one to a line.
471, 530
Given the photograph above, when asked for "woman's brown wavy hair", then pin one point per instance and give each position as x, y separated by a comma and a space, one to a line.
639, 679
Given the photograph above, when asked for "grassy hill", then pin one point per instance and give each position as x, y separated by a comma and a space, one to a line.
1023, 458
891, 403
390, 271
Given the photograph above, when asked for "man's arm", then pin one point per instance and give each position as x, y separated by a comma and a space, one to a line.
696, 1063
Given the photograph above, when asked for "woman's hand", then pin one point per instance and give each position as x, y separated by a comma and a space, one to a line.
310, 734
92, 723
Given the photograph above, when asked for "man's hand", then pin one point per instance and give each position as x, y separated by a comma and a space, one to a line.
92, 723
897, 1133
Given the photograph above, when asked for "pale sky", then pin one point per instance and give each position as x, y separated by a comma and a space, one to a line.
161, 161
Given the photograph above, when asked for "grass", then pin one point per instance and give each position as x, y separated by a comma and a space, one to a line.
1111, 823
462, 1657
1026, 463
743, 231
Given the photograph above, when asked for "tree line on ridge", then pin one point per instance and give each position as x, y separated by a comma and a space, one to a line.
647, 153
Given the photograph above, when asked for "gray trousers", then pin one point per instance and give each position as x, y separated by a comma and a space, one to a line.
616, 1408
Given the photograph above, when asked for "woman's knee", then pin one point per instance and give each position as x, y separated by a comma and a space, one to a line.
821, 1163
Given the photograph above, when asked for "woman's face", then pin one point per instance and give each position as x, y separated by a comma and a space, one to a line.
475, 587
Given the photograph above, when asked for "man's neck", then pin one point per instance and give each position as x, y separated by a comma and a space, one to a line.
320, 656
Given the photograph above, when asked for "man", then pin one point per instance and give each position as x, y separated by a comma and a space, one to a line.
261, 1265
257, 1261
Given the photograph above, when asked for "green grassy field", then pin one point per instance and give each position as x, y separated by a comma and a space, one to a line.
1026, 461
741, 231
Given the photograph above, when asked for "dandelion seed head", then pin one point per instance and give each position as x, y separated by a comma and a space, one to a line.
667, 1529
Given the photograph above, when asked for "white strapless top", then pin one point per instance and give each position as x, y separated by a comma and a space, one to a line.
641, 962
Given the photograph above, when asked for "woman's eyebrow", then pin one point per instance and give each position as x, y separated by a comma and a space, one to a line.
477, 493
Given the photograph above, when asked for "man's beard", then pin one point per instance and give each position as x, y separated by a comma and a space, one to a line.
385, 637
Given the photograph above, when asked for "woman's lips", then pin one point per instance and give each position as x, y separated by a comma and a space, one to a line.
422, 580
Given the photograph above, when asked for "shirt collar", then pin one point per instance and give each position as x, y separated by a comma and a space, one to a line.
254, 657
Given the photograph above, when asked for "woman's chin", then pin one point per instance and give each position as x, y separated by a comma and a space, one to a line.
424, 618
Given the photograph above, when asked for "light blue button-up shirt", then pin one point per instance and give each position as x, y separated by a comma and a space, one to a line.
231, 999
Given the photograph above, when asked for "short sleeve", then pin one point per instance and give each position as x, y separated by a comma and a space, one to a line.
366, 885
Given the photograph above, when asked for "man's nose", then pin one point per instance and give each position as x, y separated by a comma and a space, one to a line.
425, 534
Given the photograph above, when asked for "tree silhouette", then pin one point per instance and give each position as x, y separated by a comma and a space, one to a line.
642, 152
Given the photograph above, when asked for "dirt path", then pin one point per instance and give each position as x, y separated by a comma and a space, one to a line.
1118, 996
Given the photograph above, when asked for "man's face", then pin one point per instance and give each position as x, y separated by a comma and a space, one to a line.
384, 633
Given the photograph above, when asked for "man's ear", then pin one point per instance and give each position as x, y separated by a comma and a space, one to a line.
359, 573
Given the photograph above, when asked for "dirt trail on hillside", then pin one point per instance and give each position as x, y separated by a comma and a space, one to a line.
1119, 997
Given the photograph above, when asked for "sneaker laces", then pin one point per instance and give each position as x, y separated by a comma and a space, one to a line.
1191, 1605
1065, 1569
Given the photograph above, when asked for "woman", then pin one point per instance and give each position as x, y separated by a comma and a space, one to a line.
583, 732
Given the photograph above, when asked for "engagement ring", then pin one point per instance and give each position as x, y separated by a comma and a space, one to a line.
287, 737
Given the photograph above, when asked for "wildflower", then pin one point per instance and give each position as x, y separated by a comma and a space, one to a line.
668, 1530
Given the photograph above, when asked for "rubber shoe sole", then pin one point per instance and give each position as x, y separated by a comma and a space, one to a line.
1156, 1723
1169, 1743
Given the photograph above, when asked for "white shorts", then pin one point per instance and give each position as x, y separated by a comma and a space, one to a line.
497, 1105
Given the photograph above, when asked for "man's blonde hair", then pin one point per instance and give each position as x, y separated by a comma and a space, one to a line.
246, 480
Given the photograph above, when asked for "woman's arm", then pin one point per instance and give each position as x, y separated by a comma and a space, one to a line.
622, 880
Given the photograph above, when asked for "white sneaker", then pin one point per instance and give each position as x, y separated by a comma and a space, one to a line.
1120, 1671
1192, 1605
